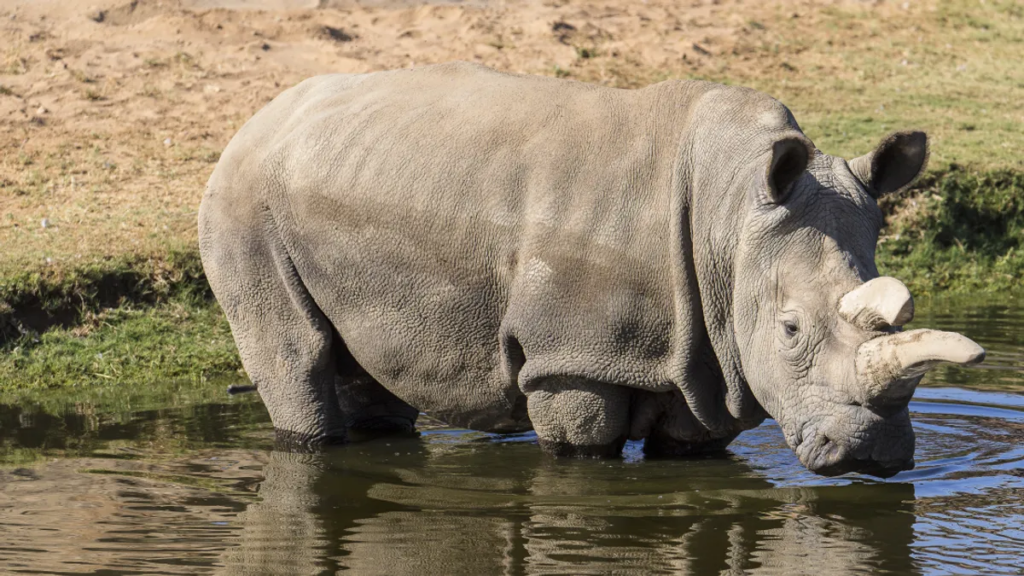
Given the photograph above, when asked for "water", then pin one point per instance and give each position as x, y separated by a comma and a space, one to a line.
182, 479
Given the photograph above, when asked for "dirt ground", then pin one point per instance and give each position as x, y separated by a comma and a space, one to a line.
113, 112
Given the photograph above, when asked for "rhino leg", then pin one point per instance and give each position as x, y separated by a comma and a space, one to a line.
285, 341
669, 428
369, 408
579, 418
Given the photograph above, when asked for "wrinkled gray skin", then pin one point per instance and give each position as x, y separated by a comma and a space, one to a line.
506, 252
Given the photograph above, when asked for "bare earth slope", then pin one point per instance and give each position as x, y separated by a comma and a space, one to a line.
112, 113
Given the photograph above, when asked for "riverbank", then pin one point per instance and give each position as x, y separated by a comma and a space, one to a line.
958, 232
113, 114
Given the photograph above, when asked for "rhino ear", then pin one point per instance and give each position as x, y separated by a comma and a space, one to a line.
894, 165
790, 156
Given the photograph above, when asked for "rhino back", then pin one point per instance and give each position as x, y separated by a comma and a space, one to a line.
437, 213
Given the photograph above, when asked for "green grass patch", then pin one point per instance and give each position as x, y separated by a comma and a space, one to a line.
957, 232
33, 299
122, 321
125, 346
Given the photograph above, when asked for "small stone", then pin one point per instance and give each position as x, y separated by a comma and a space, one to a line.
167, 143
41, 110
265, 47
96, 15
45, 224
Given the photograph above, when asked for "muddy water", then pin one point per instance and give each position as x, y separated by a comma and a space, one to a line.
182, 479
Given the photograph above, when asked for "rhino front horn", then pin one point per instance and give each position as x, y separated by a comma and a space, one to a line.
878, 304
889, 367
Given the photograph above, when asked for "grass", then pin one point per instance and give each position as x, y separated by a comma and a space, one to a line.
962, 232
115, 270
124, 323
33, 300
128, 345
851, 73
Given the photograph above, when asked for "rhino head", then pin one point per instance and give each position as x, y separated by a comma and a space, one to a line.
818, 332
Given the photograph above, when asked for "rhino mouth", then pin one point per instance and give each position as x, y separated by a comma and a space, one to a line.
855, 439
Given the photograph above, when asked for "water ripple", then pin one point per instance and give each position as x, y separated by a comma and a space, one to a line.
186, 482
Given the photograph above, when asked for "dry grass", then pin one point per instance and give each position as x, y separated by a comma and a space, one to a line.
109, 130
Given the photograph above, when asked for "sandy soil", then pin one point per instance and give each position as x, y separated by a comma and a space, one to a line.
112, 112
148, 64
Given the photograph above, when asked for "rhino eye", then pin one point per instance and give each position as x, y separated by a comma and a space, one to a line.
791, 328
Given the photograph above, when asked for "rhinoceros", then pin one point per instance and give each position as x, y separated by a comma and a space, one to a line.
505, 252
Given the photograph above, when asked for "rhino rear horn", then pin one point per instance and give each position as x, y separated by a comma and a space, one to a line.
878, 304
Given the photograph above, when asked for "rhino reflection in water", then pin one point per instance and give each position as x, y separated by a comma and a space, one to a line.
509, 252
438, 511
